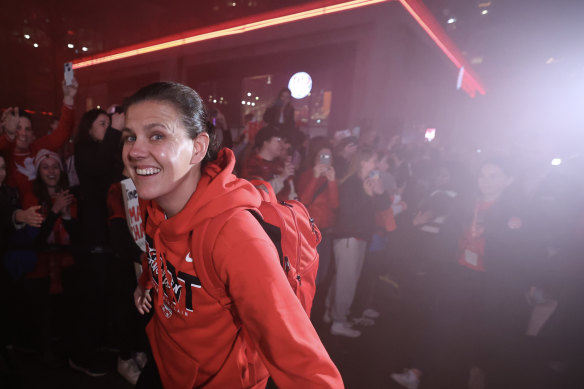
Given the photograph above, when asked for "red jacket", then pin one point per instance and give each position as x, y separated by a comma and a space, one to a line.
198, 343
20, 171
323, 206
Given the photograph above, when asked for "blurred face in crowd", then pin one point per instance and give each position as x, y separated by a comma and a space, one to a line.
285, 97
493, 181
159, 155
273, 147
24, 134
2, 170
99, 127
367, 165
49, 172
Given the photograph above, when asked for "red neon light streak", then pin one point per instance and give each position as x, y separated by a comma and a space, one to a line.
469, 82
467, 78
121, 53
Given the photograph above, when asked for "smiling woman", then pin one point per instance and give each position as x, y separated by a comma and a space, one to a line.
169, 151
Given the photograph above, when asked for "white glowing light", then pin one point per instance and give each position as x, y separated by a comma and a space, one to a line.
253, 104
243, 102
248, 103
249, 93
36, 45
26, 36
484, 11
430, 134
451, 20
70, 45
84, 48
300, 85
556, 162
257, 98
214, 100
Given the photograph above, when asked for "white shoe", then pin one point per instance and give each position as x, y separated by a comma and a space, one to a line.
140, 358
129, 370
343, 329
371, 313
362, 321
408, 379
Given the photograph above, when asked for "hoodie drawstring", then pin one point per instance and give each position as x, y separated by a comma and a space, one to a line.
161, 263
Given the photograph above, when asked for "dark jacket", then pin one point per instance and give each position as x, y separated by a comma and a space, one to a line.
98, 165
356, 217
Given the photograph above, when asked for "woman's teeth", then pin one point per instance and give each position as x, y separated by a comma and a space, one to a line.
147, 172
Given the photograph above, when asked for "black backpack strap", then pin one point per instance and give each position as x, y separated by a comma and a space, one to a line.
273, 232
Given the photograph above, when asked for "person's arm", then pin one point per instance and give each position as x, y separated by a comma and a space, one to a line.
307, 187
269, 310
55, 140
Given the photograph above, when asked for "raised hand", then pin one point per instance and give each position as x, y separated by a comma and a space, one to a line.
69, 92
9, 121
329, 173
61, 203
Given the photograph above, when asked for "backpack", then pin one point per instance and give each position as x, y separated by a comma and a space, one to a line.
289, 227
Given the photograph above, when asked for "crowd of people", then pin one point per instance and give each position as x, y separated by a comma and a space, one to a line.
493, 240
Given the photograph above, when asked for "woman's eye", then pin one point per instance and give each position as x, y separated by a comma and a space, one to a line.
129, 138
157, 137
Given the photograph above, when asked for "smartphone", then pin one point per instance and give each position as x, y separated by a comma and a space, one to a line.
68, 73
325, 158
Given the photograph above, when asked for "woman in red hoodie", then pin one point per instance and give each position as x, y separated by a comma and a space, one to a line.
170, 154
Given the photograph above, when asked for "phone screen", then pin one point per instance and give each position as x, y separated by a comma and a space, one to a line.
68, 73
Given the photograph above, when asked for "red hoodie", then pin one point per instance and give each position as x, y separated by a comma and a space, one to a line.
198, 343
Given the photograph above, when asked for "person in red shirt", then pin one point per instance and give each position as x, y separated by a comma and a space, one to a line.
184, 182
318, 190
267, 164
21, 148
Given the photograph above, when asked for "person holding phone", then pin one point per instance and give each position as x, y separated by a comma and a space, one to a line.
318, 191
360, 197
20, 145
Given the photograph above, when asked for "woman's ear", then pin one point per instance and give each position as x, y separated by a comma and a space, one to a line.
200, 146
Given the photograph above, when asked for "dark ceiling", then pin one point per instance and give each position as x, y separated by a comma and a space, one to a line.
515, 46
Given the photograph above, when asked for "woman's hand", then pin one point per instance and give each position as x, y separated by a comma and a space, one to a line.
9, 121
373, 186
142, 299
288, 170
61, 203
329, 173
118, 121
318, 170
29, 216
69, 92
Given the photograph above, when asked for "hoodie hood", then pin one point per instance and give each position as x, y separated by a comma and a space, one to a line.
218, 191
